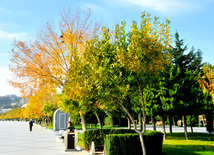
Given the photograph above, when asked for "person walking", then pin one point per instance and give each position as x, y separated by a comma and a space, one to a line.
31, 124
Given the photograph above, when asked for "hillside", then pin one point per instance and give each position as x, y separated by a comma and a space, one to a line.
9, 101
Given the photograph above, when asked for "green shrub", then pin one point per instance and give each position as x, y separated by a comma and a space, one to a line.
98, 136
122, 144
126, 144
153, 142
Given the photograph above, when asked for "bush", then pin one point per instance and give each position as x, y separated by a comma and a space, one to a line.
98, 136
122, 144
126, 144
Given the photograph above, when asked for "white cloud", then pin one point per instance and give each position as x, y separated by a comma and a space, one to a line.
8, 35
5, 87
164, 6
160, 5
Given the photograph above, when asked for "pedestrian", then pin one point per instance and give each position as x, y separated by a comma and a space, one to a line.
31, 124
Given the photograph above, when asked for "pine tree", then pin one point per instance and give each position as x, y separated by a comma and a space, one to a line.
189, 94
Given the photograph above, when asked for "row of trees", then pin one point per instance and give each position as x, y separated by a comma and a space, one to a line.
101, 69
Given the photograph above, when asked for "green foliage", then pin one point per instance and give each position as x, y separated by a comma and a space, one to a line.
49, 108
98, 136
71, 107
127, 144
192, 120
75, 118
108, 120
192, 60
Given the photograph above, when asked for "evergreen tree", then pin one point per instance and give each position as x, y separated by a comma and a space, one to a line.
191, 61
189, 96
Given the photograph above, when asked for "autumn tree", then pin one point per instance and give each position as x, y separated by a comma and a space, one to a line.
48, 58
14, 113
207, 82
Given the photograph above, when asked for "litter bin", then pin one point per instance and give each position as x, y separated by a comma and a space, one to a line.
69, 138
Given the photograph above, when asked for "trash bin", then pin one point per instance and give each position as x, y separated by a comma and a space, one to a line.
69, 138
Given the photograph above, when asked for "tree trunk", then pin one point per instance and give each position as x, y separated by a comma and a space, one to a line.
153, 123
98, 119
83, 122
185, 127
43, 121
129, 123
142, 142
49, 121
144, 119
191, 124
135, 128
163, 126
173, 119
140, 121
191, 129
127, 112
170, 124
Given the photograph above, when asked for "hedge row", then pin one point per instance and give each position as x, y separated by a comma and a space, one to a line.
126, 144
99, 135
122, 144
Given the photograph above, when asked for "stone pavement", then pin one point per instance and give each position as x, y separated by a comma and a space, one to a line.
16, 139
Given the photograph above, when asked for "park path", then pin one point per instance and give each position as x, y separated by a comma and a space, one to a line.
16, 139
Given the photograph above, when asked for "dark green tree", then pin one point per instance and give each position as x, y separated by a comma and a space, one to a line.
191, 61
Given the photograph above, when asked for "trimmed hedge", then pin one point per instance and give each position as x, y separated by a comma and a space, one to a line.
98, 136
122, 144
126, 144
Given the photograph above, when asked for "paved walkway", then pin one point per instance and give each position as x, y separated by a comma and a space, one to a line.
16, 139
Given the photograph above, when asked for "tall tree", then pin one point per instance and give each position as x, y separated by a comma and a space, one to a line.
207, 81
129, 61
48, 58
52, 56
189, 66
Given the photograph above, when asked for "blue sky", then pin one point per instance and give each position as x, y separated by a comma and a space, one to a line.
22, 19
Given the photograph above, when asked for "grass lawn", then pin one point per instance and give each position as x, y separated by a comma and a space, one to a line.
80, 140
198, 144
